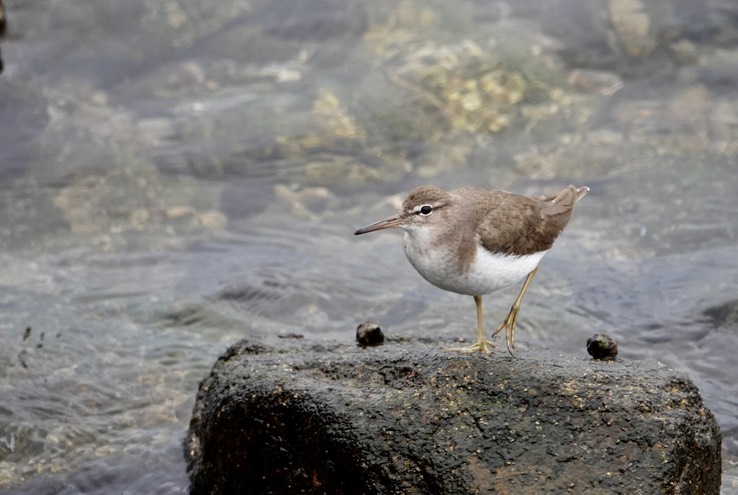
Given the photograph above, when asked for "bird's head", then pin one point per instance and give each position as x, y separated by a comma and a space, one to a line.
422, 208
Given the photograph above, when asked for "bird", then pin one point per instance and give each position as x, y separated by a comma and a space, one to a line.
476, 241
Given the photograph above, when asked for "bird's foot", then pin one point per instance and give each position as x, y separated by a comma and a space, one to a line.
509, 326
484, 346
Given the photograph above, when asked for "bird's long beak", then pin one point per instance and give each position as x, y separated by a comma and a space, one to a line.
387, 223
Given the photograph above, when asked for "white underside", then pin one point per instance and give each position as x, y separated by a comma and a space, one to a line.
488, 272
491, 272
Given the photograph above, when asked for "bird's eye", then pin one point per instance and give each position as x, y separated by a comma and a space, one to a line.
426, 210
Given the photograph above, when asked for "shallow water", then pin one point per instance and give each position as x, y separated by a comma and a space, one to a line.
176, 177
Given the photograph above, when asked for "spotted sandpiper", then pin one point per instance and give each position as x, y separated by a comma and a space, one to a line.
475, 241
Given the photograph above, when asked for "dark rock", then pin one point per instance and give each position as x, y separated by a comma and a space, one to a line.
3, 22
369, 334
410, 418
291, 335
602, 347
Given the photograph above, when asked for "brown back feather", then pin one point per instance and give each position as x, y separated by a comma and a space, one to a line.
522, 225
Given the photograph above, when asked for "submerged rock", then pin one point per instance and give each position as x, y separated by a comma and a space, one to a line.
410, 418
2, 30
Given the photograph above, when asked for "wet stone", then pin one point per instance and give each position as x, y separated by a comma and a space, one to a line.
724, 315
2, 30
413, 418
369, 334
602, 347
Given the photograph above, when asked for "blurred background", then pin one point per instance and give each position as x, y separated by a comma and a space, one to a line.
176, 176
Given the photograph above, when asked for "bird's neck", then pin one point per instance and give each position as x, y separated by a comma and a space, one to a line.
429, 246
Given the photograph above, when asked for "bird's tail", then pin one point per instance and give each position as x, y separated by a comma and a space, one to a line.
581, 192
564, 201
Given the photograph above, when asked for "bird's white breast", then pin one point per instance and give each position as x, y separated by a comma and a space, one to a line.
487, 273
492, 271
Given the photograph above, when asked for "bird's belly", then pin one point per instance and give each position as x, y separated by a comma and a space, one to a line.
493, 271
487, 273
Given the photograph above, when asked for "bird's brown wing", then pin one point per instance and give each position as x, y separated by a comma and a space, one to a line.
512, 225
522, 225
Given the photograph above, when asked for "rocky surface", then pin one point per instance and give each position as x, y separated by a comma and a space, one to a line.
410, 418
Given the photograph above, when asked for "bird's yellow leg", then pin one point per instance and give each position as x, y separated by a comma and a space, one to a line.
482, 344
512, 316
